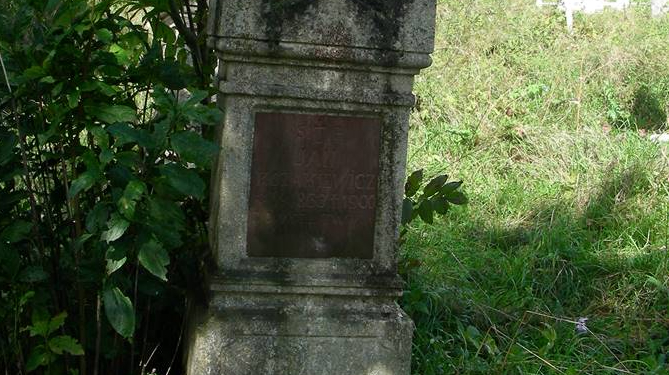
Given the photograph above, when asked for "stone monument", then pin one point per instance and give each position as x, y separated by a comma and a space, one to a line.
307, 193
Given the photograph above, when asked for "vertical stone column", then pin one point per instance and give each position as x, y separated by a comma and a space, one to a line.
308, 188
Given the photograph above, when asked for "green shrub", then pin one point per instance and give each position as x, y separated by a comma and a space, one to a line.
103, 183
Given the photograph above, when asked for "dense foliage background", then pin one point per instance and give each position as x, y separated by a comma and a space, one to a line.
569, 197
103, 173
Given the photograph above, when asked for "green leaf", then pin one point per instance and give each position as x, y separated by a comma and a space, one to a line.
407, 210
34, 72
104, 35
26, 297
100, 136
193, 148
426, 211
57, 89
473, 334
8, 142
174, 75
84, 182
456, 197
132, 193
47, 79
413, 183
163, 32
163, 101
134, 190
154, 258
65, 344
97, 217
91, 162
160, 130
115, 265
124, 133
66, 15
106, 156
201, 114
117, 226
38, 357
440, 204
79, 28
129, 159
186, 181
49, 134
73, 99
101, 87
16, 231
56, 322
451, 187
126, 207
166, 221
122, 55
81, 240
119, 311
196, 97
116, 252
433, 186
39, 326
113, 113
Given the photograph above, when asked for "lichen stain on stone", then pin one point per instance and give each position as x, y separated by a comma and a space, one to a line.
386, 16
276, 12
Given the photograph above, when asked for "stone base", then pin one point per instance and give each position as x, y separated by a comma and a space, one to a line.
251, 334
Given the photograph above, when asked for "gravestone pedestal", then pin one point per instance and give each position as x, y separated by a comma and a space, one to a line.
308, 330
308, 187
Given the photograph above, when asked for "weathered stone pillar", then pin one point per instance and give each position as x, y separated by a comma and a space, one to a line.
308, 188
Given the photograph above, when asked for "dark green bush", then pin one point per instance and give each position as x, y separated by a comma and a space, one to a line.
103, 179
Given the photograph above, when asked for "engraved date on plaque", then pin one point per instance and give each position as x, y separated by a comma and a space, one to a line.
313, 186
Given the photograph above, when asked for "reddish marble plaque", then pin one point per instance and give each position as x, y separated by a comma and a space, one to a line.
313, 186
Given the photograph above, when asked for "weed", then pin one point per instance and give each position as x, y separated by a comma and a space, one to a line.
569, 202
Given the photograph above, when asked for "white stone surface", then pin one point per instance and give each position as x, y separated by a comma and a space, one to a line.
570, 7
593, 6
660, 138
659, 7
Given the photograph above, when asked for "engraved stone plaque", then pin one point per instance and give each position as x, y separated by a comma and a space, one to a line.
313, 186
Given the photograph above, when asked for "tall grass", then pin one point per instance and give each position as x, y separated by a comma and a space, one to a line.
569, 199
